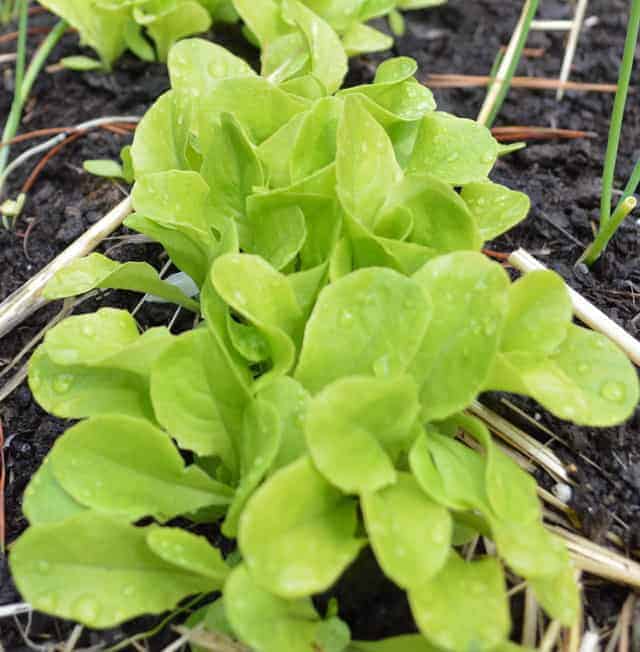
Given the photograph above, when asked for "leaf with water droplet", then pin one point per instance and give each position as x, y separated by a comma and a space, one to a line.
253, 611
267, 300
257, 446
410, 533
587, 380
495, 208
441, 136
290, 401
90, 558
539, 314
198, 63
456, 355
374, 303
258, 105
365, 172
439, 218
472, 611
160, 140
231, 169
75, 376
198, 397
45, 501
449, 472
356, 428
172, 208
188, 551
98, 271
134, 485
312, 540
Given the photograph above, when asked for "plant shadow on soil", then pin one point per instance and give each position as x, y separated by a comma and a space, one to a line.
562, 179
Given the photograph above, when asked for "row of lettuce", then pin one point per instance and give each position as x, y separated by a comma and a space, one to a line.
346, 319
149, 28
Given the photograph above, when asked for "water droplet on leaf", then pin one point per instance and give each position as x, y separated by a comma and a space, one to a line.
612, 391
346, 318
86, 609
62, 383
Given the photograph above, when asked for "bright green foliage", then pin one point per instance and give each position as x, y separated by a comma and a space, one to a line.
299, 39
269, 623
464, 606
347, 321
357, 426
312, 541
188, 551
410, 533
370, 322
96, 453
575, 373
469, 296
45, 501
96, 364
99, 570
495, 208
199, 397
112, 26
98, 271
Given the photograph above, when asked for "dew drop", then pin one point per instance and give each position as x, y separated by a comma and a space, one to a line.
86, 609
346, 318
453, 157
128, 591
43, 566
62, 383
612, 391
488, 158
382, 367
87, 330
584, 368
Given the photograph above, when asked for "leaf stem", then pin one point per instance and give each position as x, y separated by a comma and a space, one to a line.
24, 82
607, 231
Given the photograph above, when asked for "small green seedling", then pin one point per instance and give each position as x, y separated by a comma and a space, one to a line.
349, 319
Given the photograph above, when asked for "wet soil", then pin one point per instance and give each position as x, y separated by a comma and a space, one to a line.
562, 178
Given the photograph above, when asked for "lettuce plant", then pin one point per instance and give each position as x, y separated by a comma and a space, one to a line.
348, 319
112, 26
269, 21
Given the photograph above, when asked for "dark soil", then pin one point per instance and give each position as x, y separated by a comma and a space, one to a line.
562, 179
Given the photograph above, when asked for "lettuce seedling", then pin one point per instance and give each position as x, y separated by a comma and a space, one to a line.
349, 319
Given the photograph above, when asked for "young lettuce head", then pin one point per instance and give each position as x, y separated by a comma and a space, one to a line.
348, 320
